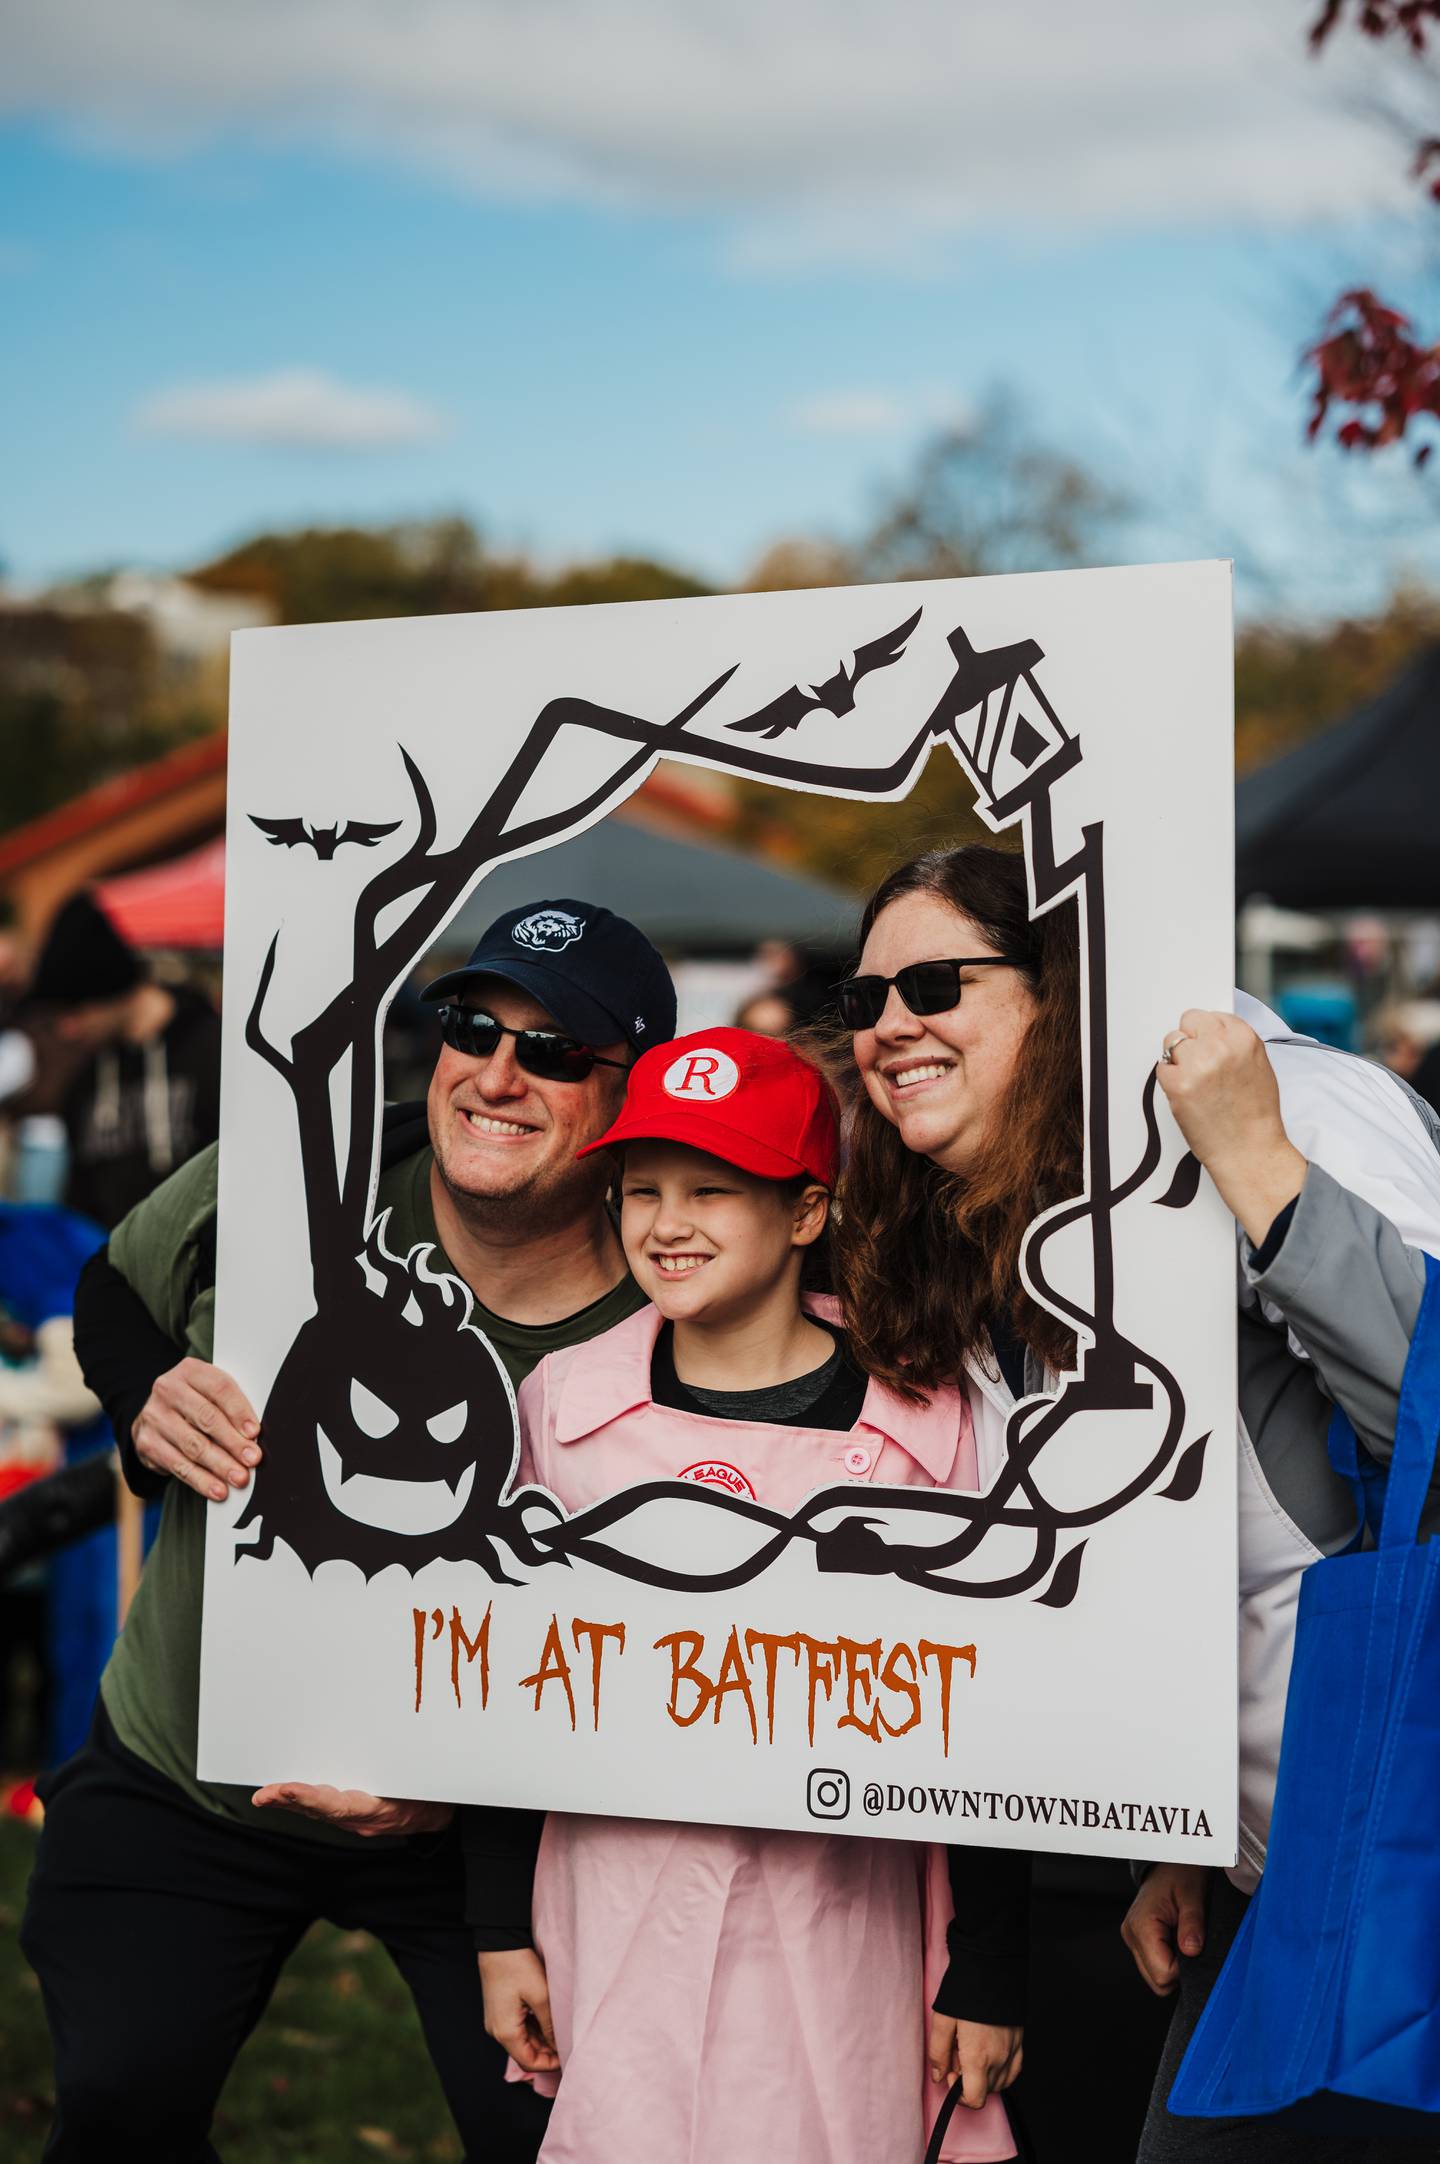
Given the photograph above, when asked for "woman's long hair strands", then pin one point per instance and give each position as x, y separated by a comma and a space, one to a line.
925, 1258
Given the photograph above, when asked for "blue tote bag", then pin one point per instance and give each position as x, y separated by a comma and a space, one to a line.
1328, 2006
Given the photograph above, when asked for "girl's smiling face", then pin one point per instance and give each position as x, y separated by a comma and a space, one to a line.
707, 1242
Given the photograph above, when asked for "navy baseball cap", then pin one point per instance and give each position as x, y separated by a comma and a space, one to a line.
596, 973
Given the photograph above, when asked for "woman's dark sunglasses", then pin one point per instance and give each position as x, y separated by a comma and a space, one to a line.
925, 987
540, 1052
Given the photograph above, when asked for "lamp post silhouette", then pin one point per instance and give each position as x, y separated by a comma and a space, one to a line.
1010, 740
1015, 749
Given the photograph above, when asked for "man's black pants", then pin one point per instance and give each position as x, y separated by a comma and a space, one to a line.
158, 1929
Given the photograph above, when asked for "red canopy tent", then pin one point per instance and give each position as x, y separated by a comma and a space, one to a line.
179, 904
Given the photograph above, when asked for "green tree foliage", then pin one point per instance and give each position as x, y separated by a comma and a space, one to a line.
335, 574
80, 702
86, 695
1291, 681
332, 574
617, 578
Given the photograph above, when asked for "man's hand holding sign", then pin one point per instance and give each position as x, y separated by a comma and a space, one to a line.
359, 1813
198, 1426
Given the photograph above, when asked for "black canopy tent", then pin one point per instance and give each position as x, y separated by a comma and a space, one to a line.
1351, 819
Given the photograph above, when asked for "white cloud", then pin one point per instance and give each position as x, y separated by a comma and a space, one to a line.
880, 413
849, 413
823, 128
293, 409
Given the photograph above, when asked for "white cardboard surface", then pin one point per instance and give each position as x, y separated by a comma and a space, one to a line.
1105, 1724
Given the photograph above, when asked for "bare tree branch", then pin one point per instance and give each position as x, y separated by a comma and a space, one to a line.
254, 1035
348, 1026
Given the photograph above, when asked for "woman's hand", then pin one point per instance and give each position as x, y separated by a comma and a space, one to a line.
980, 2056
517, 2007
1221, 1088
1167, 1919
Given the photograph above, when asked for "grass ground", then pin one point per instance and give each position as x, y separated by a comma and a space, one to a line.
335, 2073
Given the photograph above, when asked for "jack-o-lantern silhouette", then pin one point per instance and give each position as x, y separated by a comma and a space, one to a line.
390, 1428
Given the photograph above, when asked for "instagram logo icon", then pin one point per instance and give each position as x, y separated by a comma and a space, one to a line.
827, 1792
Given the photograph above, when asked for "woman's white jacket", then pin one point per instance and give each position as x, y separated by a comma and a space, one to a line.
1328, 1321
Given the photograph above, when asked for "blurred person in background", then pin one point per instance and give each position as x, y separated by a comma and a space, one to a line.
768, 1014
1408, 1041
132, 1067
802, 979
32, 1144
49, 1417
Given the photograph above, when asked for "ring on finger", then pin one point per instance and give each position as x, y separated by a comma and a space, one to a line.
1168, 1049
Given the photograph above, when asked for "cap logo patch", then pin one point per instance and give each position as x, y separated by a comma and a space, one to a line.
701, 1077
548, 931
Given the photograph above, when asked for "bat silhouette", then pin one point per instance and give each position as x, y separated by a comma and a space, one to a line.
288, 833
836, 695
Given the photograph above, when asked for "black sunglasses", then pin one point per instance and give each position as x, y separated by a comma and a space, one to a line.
542, 1052
925, 987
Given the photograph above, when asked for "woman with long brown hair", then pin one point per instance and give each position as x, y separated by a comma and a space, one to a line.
968, 1121
964, 1021
940, 1189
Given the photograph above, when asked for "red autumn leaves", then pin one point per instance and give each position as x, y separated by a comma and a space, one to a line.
1368, 360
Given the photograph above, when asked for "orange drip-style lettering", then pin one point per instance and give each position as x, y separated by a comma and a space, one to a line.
554, 1668
822, 1662
479, 1644
909, 1688
945, 1659
596, 1633
735, 1676
773, 1645
686, 1671
435, 1621
857, 1677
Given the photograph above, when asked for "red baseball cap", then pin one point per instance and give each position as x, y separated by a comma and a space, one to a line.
750, 1100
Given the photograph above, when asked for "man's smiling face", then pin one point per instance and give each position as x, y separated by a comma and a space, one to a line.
498, 1131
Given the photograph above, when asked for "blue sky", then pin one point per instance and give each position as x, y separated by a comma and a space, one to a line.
263, 282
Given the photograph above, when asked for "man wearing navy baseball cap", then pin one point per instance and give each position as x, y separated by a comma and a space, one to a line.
599, 977
539, 1028
208, 1887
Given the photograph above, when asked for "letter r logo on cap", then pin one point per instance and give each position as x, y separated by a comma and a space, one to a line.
702, 1076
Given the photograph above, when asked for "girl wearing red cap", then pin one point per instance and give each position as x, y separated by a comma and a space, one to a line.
713, 1993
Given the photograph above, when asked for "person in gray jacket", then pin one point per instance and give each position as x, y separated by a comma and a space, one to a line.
1332, 1168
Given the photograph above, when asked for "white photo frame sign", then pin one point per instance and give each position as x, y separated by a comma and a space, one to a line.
1068, 1634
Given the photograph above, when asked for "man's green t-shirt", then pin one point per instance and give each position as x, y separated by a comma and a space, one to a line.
151, 1686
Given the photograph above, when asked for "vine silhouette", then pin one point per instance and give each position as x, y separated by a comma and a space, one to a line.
425, 1444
